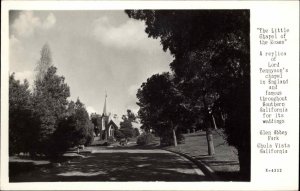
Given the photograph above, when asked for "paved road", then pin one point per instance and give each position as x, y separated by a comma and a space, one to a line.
119, 165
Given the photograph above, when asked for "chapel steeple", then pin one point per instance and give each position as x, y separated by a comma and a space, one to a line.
104, 108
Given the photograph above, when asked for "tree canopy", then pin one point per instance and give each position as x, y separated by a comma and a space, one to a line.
97, 122
23, 124
211, 64
44, 121
44, 62
75, 129
161, 105
50, 103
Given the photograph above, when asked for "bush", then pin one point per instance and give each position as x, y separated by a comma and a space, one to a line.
145, 139
67, 135
89, 137
71, 131
128, 132
110, 139
136, 132
119, 135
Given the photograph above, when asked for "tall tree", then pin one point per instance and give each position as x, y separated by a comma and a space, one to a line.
160, 106
211, 64
50, 101
84, 123
44, 63
23, 125
126, 127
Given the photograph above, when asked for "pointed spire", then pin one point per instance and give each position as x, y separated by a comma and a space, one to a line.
104, 108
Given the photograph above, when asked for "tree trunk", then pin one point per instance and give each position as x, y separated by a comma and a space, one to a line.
214, 121
174, 134
223, 119
209, 136
174, 137
210, 142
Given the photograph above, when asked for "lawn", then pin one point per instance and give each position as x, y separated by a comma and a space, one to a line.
225, 162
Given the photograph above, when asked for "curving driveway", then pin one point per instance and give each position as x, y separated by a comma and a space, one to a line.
118, 165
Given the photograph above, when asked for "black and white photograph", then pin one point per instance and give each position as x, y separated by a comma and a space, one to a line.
149, 96
129, 95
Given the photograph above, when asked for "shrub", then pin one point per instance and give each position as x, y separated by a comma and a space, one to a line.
67, 135
119, 135
110, 139
136, 132
144, 139
128, 132
89, 137
72, 131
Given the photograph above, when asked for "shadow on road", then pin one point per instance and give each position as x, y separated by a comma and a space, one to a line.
117, 166
135, 147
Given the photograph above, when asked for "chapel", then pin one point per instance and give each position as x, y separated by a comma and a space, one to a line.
109, 123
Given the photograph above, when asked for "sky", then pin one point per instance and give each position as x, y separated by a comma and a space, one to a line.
96, 51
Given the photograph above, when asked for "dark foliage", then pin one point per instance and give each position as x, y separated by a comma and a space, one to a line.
110, 140
119, 135
96, 120
162, 106
23, 123
126, 127
127, 132
44, 122
211, 65
145, 139
136, 132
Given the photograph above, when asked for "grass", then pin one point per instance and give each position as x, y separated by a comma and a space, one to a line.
225, 162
